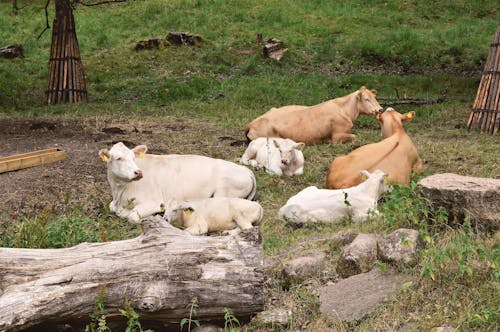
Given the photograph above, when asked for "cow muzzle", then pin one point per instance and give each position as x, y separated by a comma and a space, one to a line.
137, 175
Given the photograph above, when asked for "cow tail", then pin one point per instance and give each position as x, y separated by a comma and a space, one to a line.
251, 195
247, 130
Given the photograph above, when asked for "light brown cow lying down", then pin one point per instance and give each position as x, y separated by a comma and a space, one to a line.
331, 120
395, 155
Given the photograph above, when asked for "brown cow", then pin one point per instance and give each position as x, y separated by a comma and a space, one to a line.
331, 120
395, 155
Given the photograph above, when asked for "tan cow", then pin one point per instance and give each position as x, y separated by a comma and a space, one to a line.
331, 120
395, 155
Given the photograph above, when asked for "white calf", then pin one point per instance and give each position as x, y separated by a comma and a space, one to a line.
141, 184
275, 155
326, 205
201, 216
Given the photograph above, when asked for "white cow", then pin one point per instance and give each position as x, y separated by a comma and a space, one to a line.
275, 155
327, 205
142, 183
201, 216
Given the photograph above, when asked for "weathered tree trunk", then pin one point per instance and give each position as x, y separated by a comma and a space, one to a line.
66, 82
158, 272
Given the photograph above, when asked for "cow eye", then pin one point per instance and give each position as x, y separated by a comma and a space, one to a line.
119, 158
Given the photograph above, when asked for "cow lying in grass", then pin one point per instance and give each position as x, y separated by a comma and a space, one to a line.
201, 216
275, 155
325, 205
396, 155
331, 120
142, 183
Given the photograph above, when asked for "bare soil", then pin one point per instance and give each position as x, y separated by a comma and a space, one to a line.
81, 178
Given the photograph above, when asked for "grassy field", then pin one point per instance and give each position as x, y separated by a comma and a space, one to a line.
421, 49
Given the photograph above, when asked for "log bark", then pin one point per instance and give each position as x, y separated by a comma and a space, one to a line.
158, 273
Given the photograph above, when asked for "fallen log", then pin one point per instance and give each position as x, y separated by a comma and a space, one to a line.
158, 273
409, 101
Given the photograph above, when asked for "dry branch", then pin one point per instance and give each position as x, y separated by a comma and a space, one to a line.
409, 101
158, 272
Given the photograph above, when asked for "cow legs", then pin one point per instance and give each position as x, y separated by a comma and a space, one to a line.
199, 227
248, 156
343, 138
144, 210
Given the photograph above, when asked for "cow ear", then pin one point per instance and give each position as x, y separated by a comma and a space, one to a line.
276, 145
188, 210
300, 145
378, 116
374, 91
104, 154
140, 150
408, 116
359, 94
364, 174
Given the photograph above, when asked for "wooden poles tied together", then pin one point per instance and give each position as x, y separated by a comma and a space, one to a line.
486, 110
66, 81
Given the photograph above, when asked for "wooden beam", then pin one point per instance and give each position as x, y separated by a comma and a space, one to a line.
31, 159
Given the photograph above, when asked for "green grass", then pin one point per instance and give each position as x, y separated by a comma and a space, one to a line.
422, 49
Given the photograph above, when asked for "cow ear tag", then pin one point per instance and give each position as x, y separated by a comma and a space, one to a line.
386, 180
378, 116
409, 115
188, 211
363, 177
105, 158
141, 155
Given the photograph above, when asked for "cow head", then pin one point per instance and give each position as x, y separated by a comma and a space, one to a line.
366, 102
390, 121
121, 162
177, 212
377, 179
288, 149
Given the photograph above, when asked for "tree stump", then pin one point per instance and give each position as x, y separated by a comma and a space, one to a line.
464, 197
158, 273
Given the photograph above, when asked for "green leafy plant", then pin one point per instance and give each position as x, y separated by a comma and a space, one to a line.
193, 307
99, 315
230, 321
133, 324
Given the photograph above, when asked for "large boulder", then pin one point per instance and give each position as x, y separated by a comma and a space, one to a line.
353, 298
359, 256
400, 247
464, 197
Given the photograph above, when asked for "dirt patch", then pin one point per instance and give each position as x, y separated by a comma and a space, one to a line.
80, 180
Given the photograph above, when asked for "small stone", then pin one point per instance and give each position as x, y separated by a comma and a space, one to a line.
400, 247
275, 316
359, 256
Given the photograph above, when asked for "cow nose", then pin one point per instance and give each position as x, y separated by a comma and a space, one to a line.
138, 174
284, 162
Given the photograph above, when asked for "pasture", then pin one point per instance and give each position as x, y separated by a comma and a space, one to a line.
197, 100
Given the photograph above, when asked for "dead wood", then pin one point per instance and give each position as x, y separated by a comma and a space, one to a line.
12, 51
158, 273
385, 102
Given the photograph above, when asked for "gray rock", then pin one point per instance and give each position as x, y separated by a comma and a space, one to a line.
343, 238
353, 298
302, 268
275, 316
208, 328
359, 256
400, 247
464, 197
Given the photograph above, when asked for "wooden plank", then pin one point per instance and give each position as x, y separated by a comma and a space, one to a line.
31, 159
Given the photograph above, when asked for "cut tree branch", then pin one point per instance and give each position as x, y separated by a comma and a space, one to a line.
99, 3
